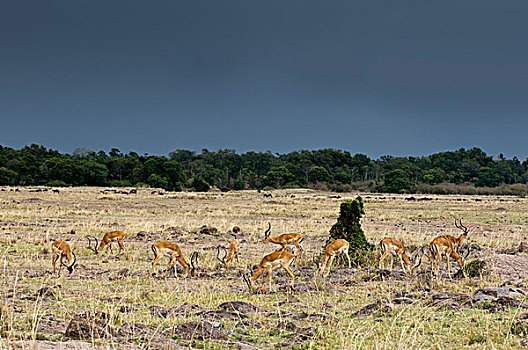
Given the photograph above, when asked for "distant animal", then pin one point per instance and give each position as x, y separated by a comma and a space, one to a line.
285, 239
337, 247
108, 238
390, 246
232, 254
447, 245
61, 250
282, 258
174, 252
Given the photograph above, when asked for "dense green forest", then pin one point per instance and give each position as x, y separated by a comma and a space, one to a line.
460, 171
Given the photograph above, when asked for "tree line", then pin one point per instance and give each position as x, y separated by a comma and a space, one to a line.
326, 169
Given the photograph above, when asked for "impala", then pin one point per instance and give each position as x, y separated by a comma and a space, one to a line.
337, 247
390, 246
61, 250
174, 252
285, 239
447, 245
114, 236
282, 258
232, 254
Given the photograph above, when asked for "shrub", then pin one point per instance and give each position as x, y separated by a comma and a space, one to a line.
200, 185
348, 227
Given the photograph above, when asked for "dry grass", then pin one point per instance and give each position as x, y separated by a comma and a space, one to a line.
30, 221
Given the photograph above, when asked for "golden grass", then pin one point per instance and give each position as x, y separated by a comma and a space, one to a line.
30, 221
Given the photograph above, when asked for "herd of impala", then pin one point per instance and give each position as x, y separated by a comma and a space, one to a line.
444, 245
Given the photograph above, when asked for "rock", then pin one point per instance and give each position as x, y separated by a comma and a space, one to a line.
47, 292
506, 267
523, 247
520, 325
240, 306
152, 335
288, 325
494, 293
220, 314
201, 330
182, 310
207, 230
50, 324
83, 328
379, 308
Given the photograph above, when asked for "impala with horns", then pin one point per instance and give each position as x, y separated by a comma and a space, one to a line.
337, 247
280, 258
231, 254
174, 252
390, 246
285, 239
448, 245
108, 238
61, 250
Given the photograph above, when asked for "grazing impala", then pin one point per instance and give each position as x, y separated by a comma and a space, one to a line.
282, 258
390, 246
174, 252
61, 250
337, 247
234, 248
114, 236
447, 245
285, 239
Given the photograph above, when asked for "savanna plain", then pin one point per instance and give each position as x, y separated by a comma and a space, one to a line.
117, 303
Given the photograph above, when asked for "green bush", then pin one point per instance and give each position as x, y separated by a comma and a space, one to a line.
348, 227
200, 185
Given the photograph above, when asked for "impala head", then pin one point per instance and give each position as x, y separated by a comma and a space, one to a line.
94, 248
268, 232
72, 266
460, 226
194, 263
221, 259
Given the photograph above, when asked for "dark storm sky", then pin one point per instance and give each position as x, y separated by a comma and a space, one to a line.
375, 77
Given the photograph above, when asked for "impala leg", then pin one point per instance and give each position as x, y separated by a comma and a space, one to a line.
290, 272
109, 247
121, 246
348, 258
270, 269
169, 267
448, 269
435, 264
401, 263
330, 261
53, 260
323, 264
155, 262
392, 261
383, 256
299, 248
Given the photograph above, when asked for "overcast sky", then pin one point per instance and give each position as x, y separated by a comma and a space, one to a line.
373, 77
